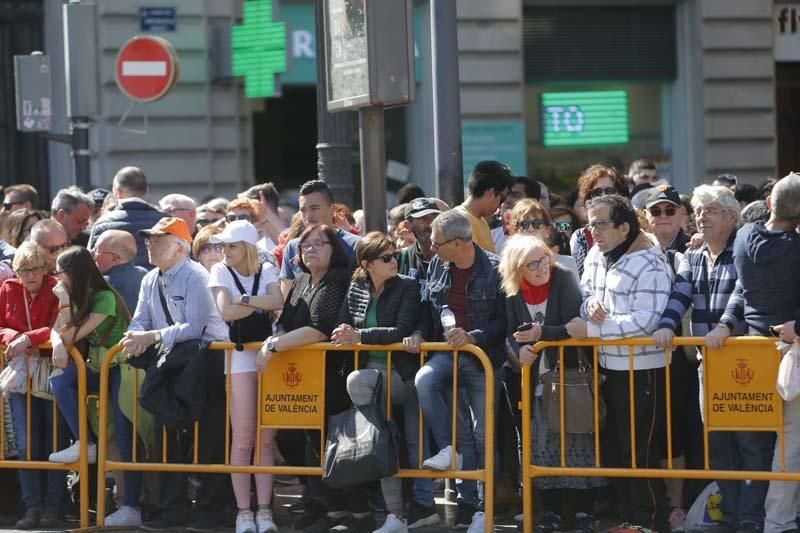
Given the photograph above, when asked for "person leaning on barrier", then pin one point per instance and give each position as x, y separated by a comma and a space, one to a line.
192, 315
767, 294
232, 284
28, 309
381, 307
626, 284
309, 316
543, 296
704, 281
92, 310
464, 277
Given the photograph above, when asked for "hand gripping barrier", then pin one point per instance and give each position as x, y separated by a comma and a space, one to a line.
485, 474
742, 364
82, 465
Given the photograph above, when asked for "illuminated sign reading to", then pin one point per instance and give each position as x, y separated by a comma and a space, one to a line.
584, 118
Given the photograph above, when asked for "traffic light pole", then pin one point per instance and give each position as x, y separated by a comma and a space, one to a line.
373, 165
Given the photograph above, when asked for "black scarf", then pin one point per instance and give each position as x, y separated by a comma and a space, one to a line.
612, 256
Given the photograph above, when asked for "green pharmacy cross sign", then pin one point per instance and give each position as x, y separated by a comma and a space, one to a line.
583, 118
259, 48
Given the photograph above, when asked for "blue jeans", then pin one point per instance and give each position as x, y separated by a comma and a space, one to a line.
41, 439
434, 383
65, 389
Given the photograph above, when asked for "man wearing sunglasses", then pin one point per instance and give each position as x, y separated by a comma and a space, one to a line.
665, 213
132, 214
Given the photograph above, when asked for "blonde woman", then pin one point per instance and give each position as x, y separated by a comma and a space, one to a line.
242, 287
541, 297
529, 217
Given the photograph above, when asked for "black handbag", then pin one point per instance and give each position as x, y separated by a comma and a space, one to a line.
252, 328
361, 445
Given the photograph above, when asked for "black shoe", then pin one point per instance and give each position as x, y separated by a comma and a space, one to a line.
312, 512
204, 524
749, 527
464, 516
549, 523
585, 523
161, 524
353, 524
31, 519
49, 518
421, 515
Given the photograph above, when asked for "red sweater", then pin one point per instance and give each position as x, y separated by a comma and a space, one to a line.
13, 320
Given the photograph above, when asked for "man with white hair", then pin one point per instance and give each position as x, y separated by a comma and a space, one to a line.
72, 208
187, 312
181, 206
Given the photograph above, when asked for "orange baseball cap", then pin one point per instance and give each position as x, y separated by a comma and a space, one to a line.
170, 226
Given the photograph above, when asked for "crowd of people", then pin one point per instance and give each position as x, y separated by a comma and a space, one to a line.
621, 256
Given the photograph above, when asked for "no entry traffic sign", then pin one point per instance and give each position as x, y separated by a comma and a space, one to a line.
147, 68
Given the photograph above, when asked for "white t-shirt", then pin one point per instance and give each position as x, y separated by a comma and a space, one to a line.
220, 276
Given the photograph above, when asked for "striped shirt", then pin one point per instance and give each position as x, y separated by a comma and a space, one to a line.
634, 292
707, 292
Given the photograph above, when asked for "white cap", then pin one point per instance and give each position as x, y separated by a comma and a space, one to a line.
236, 231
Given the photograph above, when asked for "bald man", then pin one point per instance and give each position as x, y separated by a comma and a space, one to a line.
114, 252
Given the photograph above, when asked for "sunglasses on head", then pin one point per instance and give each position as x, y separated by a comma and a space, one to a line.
387, 258
562, 226
601, 191
536, 223
233, 218
668, 211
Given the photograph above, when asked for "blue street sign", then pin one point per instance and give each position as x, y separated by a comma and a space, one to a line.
157, 19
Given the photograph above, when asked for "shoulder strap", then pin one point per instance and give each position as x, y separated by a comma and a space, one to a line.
164, 301
671, 254
239, 283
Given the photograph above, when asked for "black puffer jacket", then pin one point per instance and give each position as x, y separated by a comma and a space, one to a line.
397, 312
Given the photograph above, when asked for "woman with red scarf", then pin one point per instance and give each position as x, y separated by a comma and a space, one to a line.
542, 296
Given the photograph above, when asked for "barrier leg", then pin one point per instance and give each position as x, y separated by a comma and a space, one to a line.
527, 480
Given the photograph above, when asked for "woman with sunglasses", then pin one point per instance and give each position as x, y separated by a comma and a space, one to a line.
528, 217
596, 181
93, 311
242, 286
204, 251
541, 297
381, 307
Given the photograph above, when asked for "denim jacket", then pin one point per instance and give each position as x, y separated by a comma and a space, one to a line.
486, 308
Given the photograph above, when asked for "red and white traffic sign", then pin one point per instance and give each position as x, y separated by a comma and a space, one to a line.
147, 68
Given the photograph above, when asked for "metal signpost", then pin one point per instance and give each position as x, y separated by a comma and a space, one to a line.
369, 62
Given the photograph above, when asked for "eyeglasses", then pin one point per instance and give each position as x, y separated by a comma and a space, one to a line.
534, 265
33, 271
435, 245
8, 205
53, 250
535, 223
308, 246
668, 211
599, 225
96, 252
59, 272
212, 247
700, 211
387, 258
234, 218
601, 191
562, 226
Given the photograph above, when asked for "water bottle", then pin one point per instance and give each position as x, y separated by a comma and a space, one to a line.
448, 319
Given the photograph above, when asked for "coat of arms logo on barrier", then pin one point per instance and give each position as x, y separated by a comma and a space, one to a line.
292, 377
742, 374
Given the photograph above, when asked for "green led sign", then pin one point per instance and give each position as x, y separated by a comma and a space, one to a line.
259, 49
584, 118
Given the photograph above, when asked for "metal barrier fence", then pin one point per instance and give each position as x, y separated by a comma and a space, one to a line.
734, 360
82, 465
485, 474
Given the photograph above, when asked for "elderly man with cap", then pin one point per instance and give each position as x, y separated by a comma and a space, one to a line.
665, 213
419, 215
174, 306
113, 253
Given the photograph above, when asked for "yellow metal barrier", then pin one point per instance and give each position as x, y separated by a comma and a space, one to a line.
755, 367
82, 465
486, 474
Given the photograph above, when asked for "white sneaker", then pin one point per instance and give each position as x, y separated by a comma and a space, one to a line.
73, 453
245, 522
442, 460
478, 524
124, 516
264, 523
392, 525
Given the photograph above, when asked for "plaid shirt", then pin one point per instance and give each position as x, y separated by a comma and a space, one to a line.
706, 292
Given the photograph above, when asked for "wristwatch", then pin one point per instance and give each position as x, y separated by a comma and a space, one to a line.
157, 336
724, 325
272, 344
245, 299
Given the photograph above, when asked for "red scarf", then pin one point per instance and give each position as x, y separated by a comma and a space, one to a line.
534, 294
